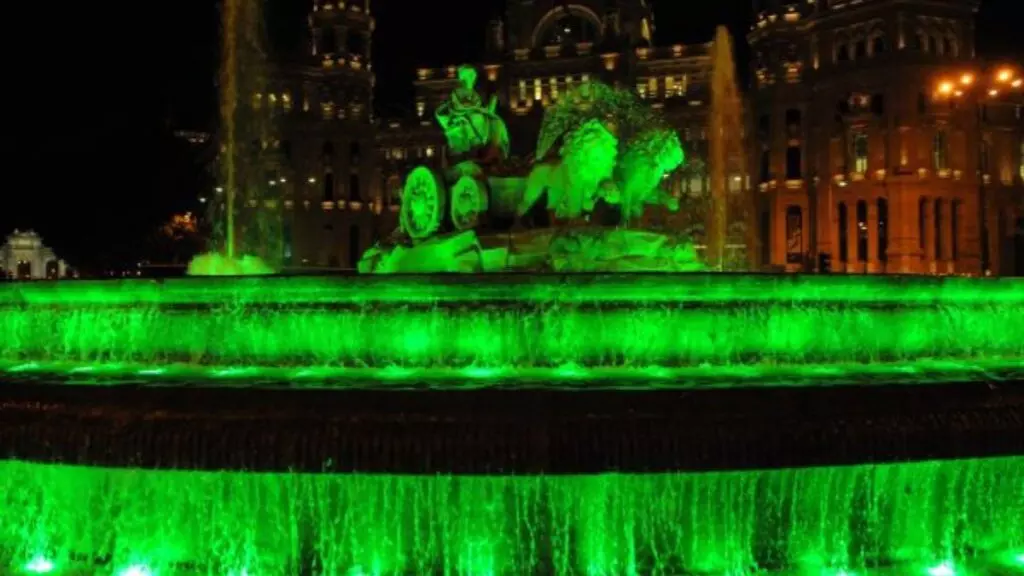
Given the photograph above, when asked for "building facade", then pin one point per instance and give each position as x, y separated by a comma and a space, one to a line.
24, 257
322, 162
868, 162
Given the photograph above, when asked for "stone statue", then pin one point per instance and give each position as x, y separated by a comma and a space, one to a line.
579, 176
641, 170
468, 125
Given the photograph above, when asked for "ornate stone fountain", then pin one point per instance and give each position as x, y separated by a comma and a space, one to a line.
600, 160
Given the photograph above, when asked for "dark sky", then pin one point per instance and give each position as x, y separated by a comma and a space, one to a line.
134, 80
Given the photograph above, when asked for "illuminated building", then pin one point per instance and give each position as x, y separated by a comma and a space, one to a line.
25, 257
327, 174
881, 141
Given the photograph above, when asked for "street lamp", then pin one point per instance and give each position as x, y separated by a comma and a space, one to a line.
1001, 80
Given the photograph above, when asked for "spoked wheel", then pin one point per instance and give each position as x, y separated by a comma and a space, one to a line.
469, 201
423, 203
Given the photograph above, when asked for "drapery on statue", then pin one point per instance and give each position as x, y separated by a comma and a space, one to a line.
468, 125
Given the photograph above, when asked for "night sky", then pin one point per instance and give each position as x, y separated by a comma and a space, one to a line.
133, 180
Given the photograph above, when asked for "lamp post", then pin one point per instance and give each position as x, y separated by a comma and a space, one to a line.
978, 88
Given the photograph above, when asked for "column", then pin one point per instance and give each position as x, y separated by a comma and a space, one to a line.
873, 262
928, 254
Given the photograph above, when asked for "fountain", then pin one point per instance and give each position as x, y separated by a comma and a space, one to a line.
596, 422
244, 133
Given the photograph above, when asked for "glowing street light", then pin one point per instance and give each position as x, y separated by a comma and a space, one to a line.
967, 79
946, 88
1004, 75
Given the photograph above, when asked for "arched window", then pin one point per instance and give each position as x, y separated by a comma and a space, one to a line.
933, 45
843, 53
878, 45
860, 49
952, 47
569, 29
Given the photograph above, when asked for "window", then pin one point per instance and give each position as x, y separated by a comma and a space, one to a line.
922, 103
878, 104
355, 44
794, 235
862, 231
569, 29
844, 234
940, 151
983, 156
954, 222
766, 234
883, 229
354, 193
933, 44
878, 45
764, 126
328, 40
949, 47
329, 186
843, 53
860, 49
794, 169
860, 153
353, 152
766, 167
938, 229
793, 122
922, 207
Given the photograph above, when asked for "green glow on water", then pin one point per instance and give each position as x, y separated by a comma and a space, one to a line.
566, 377
820, 521
568, 325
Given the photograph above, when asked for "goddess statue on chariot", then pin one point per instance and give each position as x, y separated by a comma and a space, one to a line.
598, 147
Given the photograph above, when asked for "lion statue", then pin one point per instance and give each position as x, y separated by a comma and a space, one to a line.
582, 173
642, 168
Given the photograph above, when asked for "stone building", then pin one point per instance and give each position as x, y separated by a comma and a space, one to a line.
881, 142
25, 257
325, 173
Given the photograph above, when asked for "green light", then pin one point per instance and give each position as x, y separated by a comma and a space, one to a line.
40, 565
944, 569
857, 517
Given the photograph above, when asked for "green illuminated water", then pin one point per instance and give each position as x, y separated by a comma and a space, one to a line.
560, 328
711, 523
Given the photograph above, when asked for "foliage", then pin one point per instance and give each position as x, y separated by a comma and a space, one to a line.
619, 109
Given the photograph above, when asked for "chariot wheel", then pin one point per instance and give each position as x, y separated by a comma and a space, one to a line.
423, 203
469, 201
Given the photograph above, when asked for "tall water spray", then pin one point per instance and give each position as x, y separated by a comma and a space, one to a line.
246, 142
727, 158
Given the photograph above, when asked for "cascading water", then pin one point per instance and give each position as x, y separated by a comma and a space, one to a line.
827, 520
